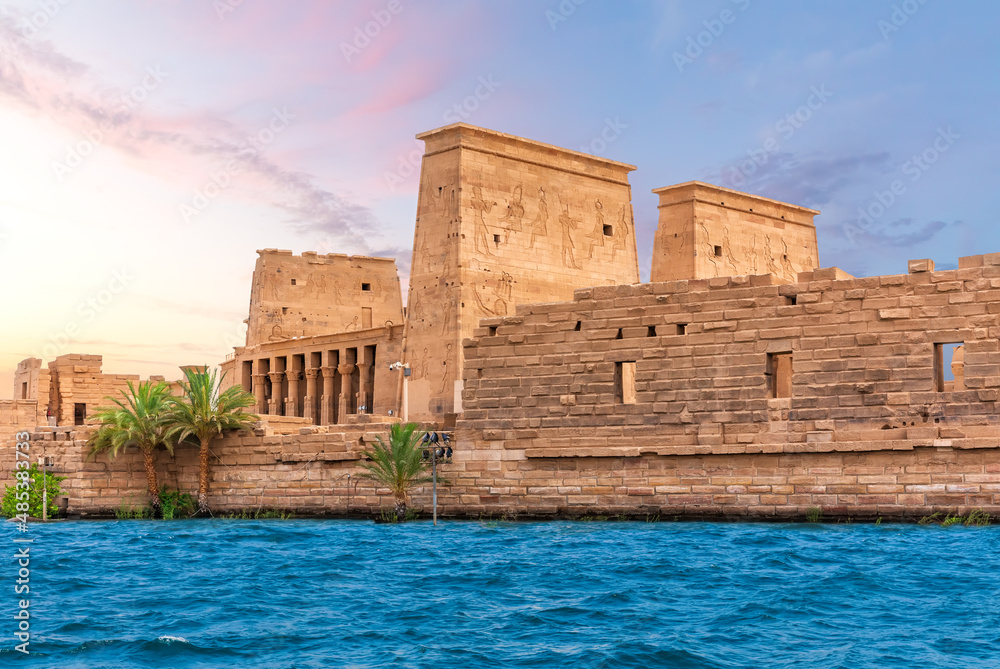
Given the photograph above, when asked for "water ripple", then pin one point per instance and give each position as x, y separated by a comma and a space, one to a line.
304, 594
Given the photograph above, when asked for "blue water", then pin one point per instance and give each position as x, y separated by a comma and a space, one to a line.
281, 594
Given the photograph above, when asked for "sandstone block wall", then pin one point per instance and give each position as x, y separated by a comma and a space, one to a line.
502, 221
311, 294
707, 231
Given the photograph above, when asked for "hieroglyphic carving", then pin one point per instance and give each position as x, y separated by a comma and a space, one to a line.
353, 325
596, 236
750, 254
446, 376
511, 222
482, 207
727, 251
621, 233
709, 249
498, 303
769, 256
568, 224
539, 227
277, 334
786, 264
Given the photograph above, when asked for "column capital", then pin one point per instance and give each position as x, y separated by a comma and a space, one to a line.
312, 372
328, 371
276, 376
293, 375
345, 369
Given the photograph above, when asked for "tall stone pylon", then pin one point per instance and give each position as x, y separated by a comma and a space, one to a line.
503, 221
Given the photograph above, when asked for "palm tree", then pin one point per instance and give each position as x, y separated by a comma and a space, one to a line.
203, 413
398, 465
136, 420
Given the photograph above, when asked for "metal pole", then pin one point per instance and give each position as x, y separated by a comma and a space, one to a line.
45, 496
434, 475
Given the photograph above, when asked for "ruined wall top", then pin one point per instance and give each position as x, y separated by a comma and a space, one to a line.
523, 150
313, 294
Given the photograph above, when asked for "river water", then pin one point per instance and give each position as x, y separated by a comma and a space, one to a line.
320, 593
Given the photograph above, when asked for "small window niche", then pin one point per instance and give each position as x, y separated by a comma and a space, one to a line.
779, 375
682, 328
624, 383
293, 282
366, 287
949, 366
24, 390
79, 413
609, 231
718, 251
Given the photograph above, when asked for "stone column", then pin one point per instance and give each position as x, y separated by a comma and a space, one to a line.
277, 393
363, 390
292, 401
310, 400
345, 372
326, 411
260, 407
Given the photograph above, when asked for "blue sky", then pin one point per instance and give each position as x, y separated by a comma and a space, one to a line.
884, 107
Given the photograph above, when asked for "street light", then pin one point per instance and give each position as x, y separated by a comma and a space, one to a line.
435, 453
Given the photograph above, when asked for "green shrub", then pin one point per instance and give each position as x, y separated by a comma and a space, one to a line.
12, 496
175, 503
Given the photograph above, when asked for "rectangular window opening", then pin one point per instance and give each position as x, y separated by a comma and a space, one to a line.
496, 239
718, 251
791, 299
493, 330
24, 390
293, 282
949, 372
625, 383
682, 328
578, 324
609, 231
779, 375
366, 286
79, 413
651, 331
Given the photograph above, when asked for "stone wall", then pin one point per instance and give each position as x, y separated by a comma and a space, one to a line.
312, 294
502, 221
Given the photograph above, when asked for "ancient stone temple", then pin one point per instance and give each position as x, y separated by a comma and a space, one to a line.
744, 379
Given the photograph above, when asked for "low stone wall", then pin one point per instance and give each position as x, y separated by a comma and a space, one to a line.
317, 474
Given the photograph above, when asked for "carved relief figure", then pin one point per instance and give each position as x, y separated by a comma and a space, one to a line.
596, 236
786, 264
482, 207
446, 376
353, 325
450, 312
538, 226
709, 249
727, 251
621, 234
769, 256
750, 254
498, 304
568, 226
511, 221
277, 334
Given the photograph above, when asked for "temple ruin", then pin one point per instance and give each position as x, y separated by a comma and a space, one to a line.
744, 379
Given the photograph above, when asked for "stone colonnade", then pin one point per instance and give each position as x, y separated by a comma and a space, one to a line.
324, 386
